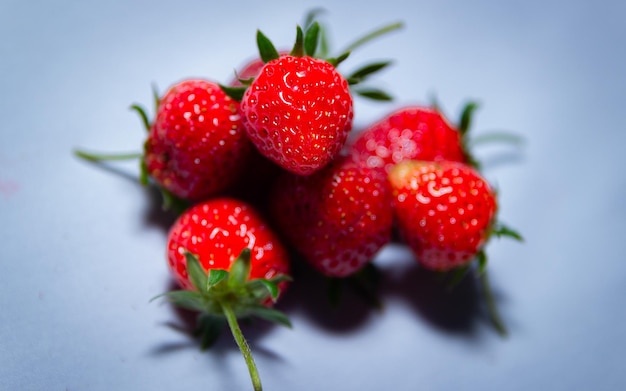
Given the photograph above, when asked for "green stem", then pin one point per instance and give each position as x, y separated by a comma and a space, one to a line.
372, 35
243, 345
94, 157
491, 304
497, 136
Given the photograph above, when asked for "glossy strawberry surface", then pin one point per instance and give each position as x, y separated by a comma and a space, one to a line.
337, 218
298, 113
216, 231
445, 211
412, 132
196, 146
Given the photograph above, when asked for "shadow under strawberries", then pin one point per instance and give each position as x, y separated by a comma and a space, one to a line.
452, 307
154, 213
336, 305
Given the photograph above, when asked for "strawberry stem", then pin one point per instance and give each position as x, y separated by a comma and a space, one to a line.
491, 304
499, 137
96, 157
231, 318
374, 34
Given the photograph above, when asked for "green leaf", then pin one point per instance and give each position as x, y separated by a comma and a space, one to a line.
144, 177
267, 51
324, 46
271, 314
502, 230
467, 113
209, 329
335, 61
366, 282
142, 114
456, 276
492, 308
363, 72
156, 99
481, 258
311, 39
374, 34
374, 94
240, 269
197, 275
262, 287
216, 276
190, 300
246, 82
171, 202
312, 15
281, 278
234, 92
298, 47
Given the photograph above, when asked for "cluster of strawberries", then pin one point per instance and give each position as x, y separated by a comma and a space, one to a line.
261, 169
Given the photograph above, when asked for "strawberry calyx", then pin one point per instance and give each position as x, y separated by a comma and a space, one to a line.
223, 297
220, 287
468, 143
312, 42
364, 283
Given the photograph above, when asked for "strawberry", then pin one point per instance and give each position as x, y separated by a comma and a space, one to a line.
411, 132
197, 146
446, 212
217, 230
336, 218
230, 266
298, 110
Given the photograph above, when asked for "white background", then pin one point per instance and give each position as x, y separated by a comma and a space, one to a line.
82, 248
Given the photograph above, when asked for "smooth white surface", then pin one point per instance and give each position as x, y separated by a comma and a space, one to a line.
82, 248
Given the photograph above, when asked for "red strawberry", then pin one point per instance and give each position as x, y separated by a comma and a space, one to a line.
298, 112
230, 266
197, 146
337, 218
217, 230
260, 172
445, 211
413, 132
